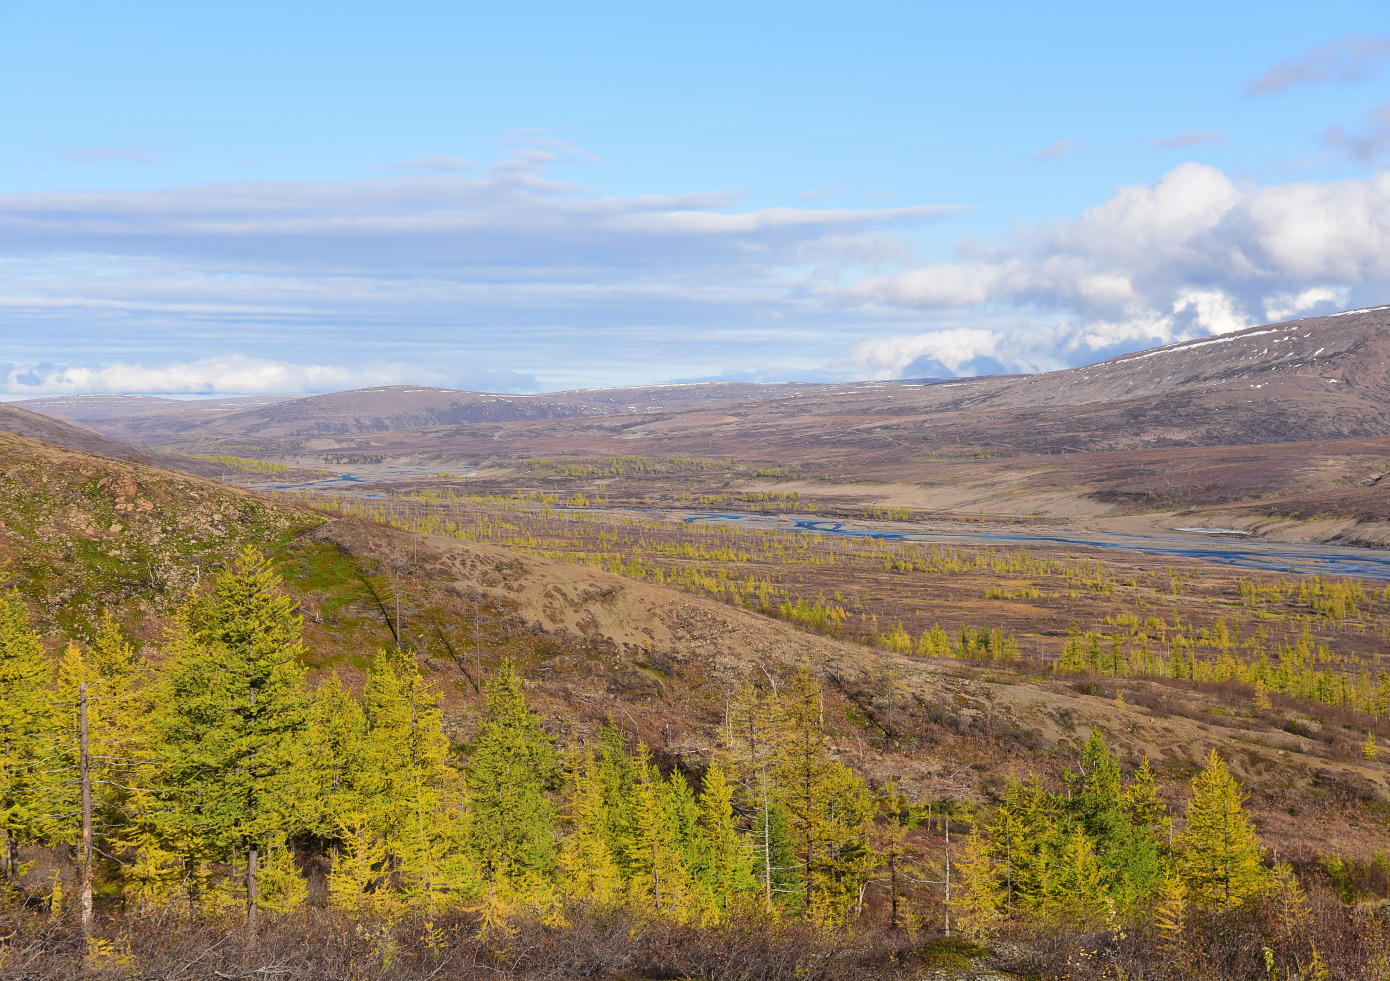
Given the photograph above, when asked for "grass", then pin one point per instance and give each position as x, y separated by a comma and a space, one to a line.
950, 954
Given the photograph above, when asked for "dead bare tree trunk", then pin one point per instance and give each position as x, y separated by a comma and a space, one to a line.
85, 774
251, 859
948, 875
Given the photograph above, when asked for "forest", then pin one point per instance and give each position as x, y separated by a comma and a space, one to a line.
210, 801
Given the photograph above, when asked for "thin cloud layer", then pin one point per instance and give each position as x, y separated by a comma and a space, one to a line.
1056, 151
1369, 146
509, 270
1190, 138
511, 279
1190, 255
1351, 58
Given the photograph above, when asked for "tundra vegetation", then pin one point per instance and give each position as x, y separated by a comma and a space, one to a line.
205, 806
1305, 638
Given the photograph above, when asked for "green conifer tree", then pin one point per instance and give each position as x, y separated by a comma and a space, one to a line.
661, 879
337, 733
408, 787
1127, 851
233, 719
724, 862
359, 867
828, 806
511, 769
1024, 840
1081, 885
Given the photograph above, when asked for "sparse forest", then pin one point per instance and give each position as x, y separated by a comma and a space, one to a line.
208, 802
1308, 638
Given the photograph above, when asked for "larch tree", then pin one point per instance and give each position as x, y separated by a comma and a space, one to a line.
24, 725
751, 738
589, 870
234, 719
510, 771
408, 787
978, 898
106, 677
1222, 859
1126, 848
725, 863
828, 806
1082, 887
1024, 838
661, 876
337, 733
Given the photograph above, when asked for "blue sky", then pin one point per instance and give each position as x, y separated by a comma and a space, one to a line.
299, 197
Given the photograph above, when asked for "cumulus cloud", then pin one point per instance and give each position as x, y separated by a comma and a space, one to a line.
942, 353
236, 375
1350, 58
1285, 306
1190, 255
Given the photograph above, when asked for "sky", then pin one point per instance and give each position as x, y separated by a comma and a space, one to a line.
296, 197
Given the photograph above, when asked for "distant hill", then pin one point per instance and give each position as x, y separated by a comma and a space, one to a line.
376, 410
59, 432
86, 408
1320, 378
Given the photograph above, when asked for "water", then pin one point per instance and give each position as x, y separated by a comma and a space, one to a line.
1302, 559
345, 483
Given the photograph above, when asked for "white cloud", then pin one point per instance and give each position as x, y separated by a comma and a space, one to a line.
430, 265
952, 348
1213, 311
232, 375
1188, 256
1284, 306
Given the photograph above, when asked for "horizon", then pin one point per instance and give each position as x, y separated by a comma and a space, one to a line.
914, 380
323, 201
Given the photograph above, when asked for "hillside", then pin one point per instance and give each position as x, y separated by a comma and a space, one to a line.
81, 533
59, 432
